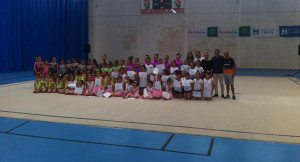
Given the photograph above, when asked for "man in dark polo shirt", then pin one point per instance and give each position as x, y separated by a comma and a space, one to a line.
218, 72
207, 64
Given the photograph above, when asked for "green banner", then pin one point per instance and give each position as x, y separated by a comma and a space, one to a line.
212, 32
244, 31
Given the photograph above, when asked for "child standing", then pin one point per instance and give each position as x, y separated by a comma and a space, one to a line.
54, 68
208, 87
177, 92
38, 66
62, 67
143, 79
187, 85
46, 69
198, 87
69, 67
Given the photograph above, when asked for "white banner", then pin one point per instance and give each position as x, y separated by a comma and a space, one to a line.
197, 32
228, 32
263, 32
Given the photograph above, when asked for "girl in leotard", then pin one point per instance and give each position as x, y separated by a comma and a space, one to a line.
59, 84
208, 87
46, 82
134, 93
45, 69
80, 88
54, 68
65, 85
69, 67
198, 87
71, 86
89, 86
74, 65
98, 83
62, 67
38, 84
82, 66
168, 88
110, 87
119, 87
149, 90
38, 66
157, 92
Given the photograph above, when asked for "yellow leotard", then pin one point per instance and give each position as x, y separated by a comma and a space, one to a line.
38, 84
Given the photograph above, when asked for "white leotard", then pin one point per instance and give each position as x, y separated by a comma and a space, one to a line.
157, 85
197, 84
207, 85
188, 88
91, 84
97, 82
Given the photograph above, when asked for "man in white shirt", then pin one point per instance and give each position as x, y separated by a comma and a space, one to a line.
198, 57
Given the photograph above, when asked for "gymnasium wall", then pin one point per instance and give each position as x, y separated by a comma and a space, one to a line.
118, 29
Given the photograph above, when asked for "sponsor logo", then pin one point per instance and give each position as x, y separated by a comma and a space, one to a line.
178, 3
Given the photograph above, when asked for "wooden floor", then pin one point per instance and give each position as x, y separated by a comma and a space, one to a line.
266, 109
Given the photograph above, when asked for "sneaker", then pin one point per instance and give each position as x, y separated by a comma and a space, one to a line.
223, 96
216, 95
233, 97
227, 97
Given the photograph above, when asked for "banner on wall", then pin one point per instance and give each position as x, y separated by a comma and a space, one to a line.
212, 32
263, 32
244, 31
197, 32
162, 6
228, 32
289, 31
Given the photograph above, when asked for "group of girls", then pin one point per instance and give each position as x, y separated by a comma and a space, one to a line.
157, 79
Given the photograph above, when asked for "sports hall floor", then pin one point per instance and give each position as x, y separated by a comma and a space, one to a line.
263, 124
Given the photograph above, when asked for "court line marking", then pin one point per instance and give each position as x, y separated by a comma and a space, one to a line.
99, 143
168, 141
294, 81
17, 126
211, 146
155, 124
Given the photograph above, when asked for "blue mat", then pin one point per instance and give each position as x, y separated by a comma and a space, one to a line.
125, 137
9, 78
31, 142
7, 124
190, 144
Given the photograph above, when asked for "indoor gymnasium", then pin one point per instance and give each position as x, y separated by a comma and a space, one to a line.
149, 80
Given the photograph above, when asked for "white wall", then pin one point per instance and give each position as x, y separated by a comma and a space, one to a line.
118, 29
